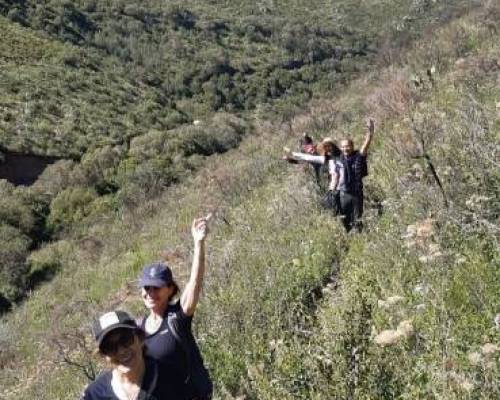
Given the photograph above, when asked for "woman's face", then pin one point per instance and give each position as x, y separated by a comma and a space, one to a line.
122, 349
156, 298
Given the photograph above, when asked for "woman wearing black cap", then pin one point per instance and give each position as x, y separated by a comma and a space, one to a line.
169, 338
132, 376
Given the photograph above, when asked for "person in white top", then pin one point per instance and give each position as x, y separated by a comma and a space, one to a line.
328, 154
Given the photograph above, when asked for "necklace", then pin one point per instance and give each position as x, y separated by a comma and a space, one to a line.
153, 324
123, 393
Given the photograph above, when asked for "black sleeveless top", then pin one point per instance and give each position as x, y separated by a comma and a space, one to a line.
185, 358
162, 346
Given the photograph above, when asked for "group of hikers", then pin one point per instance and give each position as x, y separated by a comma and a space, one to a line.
345, 168
156, 357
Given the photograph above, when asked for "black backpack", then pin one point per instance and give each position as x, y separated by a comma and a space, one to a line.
198, 382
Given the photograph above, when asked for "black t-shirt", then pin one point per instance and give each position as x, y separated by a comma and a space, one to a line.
185, 359
162, 346
355, 169
159, 383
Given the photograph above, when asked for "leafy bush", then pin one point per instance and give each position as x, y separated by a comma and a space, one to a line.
55, 178
14, 209
70, 207
14, 247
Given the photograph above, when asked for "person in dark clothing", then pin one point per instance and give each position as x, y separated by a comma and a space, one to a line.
169, 338
307, 146
133, 375
350, 172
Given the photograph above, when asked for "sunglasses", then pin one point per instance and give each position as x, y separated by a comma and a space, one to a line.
112, 343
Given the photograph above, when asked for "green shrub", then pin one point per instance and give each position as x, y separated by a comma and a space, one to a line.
55, 178
70, 207
14, 248
14, 209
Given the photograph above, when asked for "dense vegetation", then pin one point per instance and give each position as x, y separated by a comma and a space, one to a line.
108, 84
293, 307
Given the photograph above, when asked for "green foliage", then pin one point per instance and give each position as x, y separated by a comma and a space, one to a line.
87, 79
53, 180
293, 308
14, 210
13, 269
70, 207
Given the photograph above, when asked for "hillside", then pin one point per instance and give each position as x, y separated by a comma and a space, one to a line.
112, 91
293, 308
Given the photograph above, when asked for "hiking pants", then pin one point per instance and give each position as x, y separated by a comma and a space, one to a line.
351, 210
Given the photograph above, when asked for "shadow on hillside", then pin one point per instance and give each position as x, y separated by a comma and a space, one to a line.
22, 169
5, 305
44, 274
35, 279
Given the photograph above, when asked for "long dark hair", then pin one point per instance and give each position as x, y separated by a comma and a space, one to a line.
335, 153
175, 292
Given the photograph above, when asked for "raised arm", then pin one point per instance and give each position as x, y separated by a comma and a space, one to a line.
191, 293
296, 156
370, 126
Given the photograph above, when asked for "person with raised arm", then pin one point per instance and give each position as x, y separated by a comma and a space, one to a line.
168, 335
328, 153
350, 172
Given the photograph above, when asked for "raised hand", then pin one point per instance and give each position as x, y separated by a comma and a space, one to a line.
370, 125
287, 153
199, 229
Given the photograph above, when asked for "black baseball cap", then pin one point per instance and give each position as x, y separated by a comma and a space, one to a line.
111, 321
157, 274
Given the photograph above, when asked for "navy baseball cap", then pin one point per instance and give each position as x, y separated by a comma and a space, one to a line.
157, 274
111, 321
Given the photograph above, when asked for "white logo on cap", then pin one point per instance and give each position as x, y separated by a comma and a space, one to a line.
108, 319
152, 273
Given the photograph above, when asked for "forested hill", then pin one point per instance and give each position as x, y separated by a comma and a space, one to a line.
153, 113
117, 90
130, 66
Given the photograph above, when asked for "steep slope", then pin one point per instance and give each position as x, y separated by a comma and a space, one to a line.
266, 328
112, 88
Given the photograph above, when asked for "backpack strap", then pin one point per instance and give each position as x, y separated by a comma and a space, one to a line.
172, 326
152, 386
140, 322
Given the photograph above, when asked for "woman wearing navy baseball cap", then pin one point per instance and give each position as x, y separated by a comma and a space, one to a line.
167, 327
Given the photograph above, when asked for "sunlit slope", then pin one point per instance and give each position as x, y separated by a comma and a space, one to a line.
139, 66
62, 100
412, 311
134, 96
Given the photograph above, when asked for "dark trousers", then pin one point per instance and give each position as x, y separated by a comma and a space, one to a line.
351, 210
